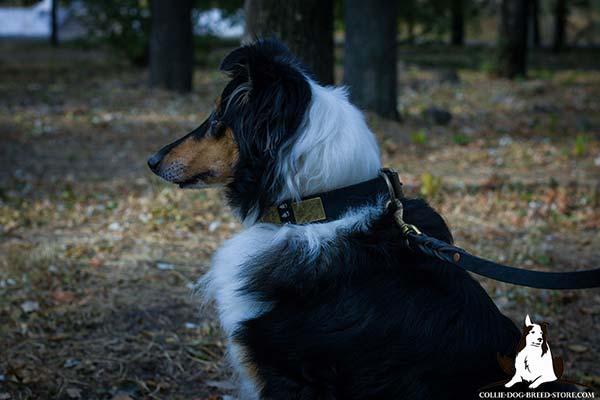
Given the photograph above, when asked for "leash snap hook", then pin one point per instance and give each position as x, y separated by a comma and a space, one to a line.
405, 228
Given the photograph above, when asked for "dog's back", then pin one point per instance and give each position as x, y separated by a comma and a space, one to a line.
368, 318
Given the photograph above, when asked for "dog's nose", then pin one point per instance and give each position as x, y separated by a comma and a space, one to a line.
154, 161
540, 339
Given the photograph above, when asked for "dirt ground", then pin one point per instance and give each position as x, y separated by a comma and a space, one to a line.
98, 258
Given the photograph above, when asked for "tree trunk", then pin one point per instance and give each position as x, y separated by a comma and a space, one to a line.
512, 57
458, 22
534, 10
560, 20
407, 13
411, 30
54, 23
171, 45
305, 26
370, 55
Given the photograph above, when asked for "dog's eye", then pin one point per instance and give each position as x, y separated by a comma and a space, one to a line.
216, 128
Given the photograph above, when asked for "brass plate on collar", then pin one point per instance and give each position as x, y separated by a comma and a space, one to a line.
310, 210
272, 216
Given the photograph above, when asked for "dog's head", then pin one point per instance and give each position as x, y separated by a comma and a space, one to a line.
257, 112
274, 133
534, 335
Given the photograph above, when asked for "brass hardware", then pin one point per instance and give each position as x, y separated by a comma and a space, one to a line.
399, 218
456, 257
305, 211
310, 210
272, 216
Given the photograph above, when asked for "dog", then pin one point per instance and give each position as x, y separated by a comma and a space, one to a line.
337, 306
534, 362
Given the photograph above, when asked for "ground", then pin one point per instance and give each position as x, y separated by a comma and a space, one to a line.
98, 257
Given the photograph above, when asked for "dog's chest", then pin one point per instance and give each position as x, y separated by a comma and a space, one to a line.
241, 258
225, 284
236, 266
229, 272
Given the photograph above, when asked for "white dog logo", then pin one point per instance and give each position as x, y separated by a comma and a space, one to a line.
534, 363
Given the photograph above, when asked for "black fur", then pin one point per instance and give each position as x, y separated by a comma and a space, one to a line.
370, 319
264, 121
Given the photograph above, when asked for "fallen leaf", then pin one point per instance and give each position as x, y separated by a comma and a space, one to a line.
74, 393
578, 348
95, 262
30, 306
61, 296
122, 396
71, 362
164, 266
115, 226
213, 226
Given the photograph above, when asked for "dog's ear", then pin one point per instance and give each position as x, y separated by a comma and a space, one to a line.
236, 63
278, 92
528, 321
264, 63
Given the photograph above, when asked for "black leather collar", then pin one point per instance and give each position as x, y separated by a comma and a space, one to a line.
331, 205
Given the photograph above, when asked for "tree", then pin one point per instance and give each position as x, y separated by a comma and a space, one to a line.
560, 20
171, 45
512, 55
458, 22
370, 54
54, 23
407, 11
124, 25
305, 26
534, 10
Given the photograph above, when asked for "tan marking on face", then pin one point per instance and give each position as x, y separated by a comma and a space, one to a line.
216, 156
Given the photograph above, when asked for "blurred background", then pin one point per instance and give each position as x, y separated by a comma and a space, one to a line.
489, 109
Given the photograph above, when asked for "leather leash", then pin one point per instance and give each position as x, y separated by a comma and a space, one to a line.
458, 257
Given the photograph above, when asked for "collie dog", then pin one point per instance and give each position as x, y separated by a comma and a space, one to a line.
336, 306
534, 363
